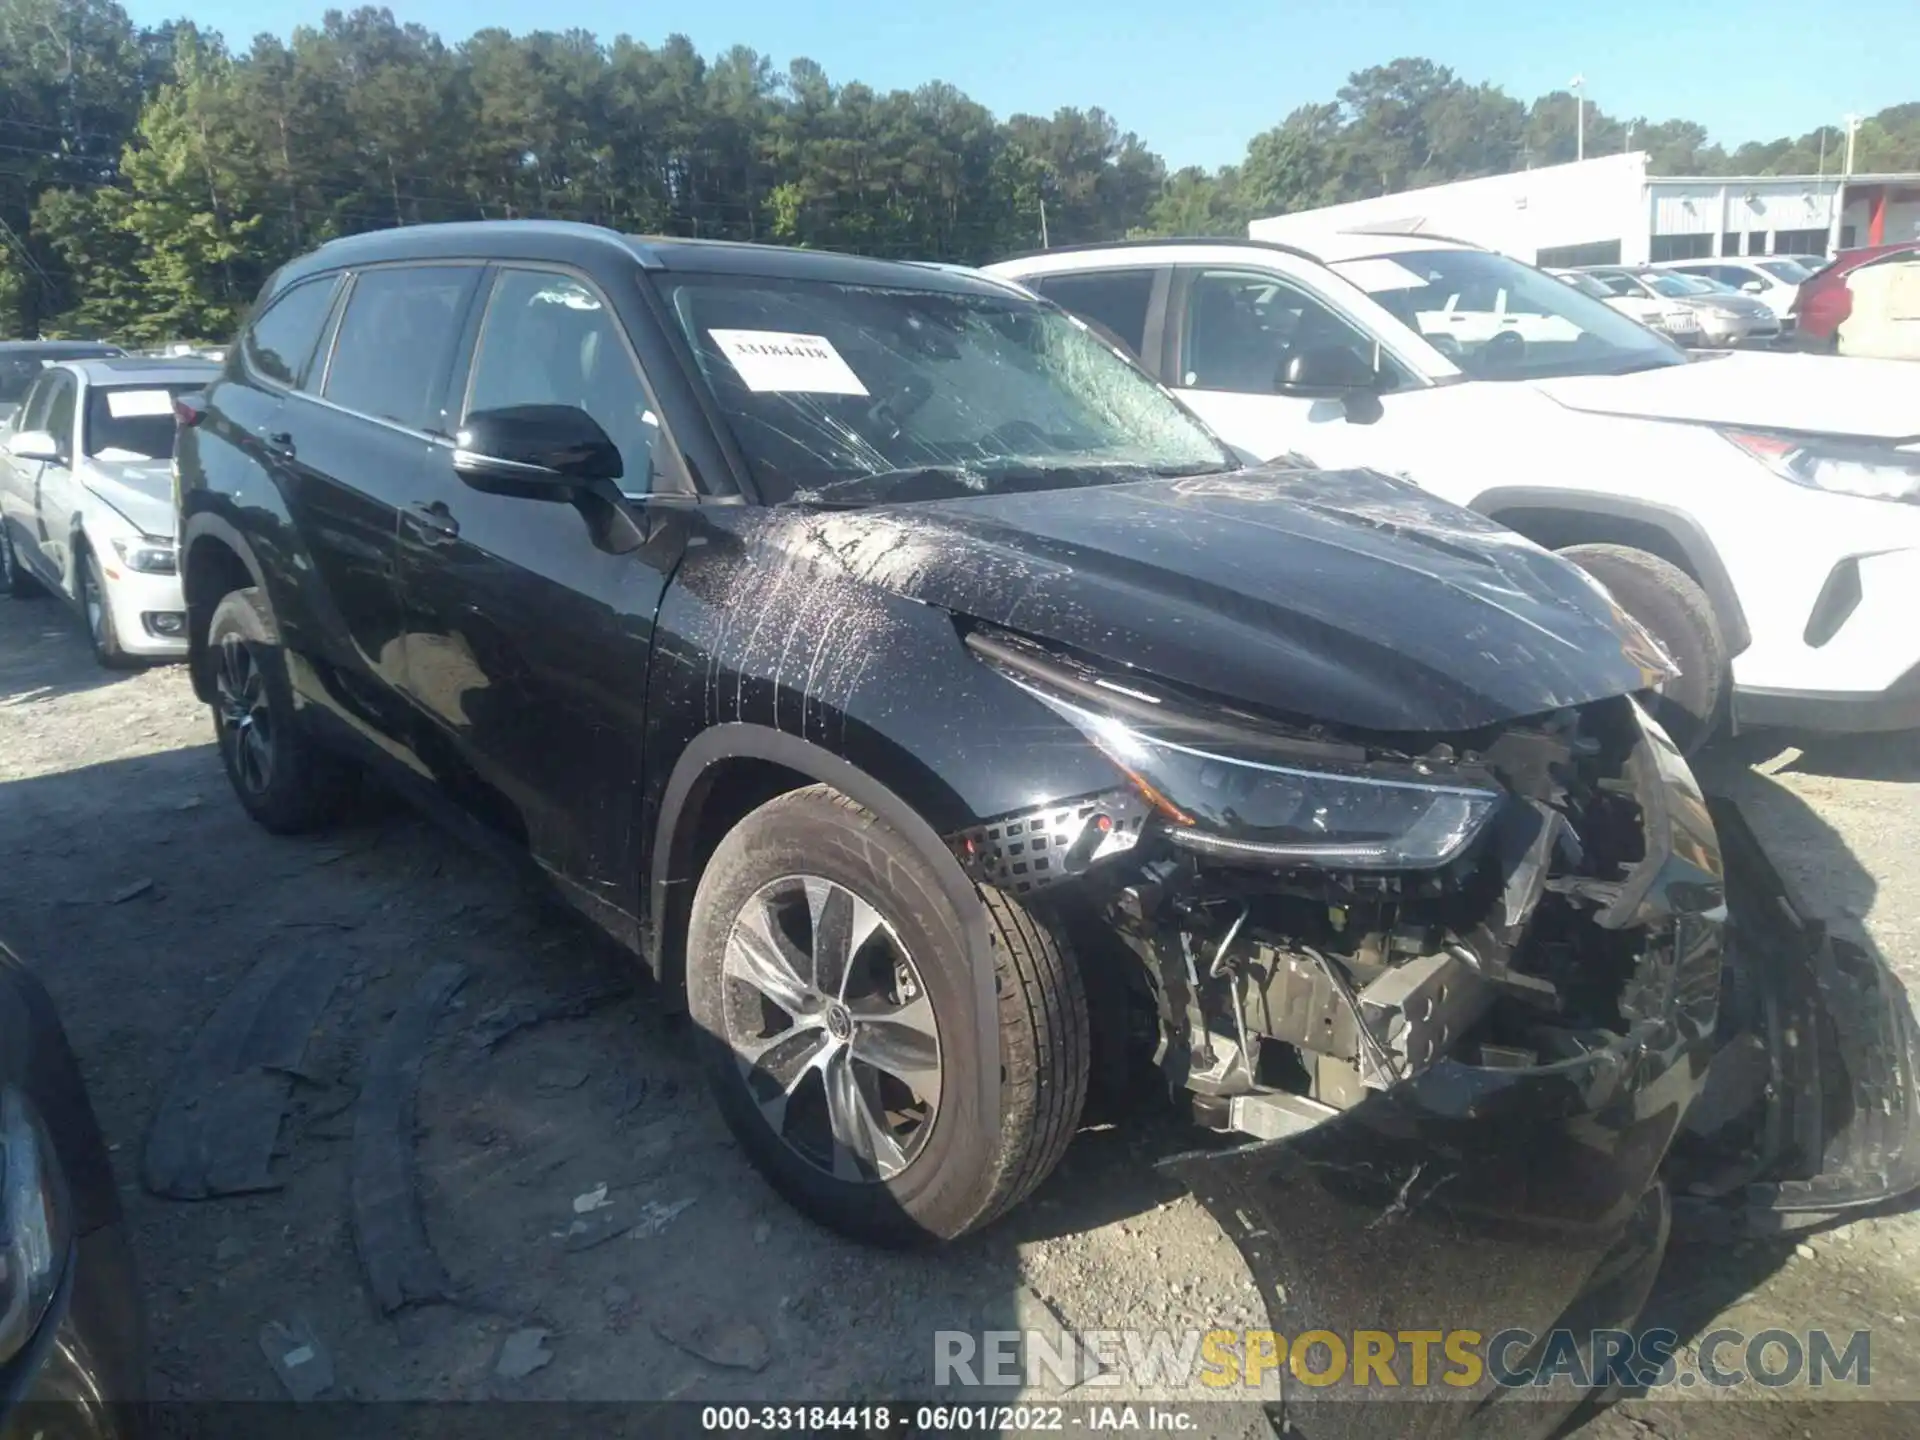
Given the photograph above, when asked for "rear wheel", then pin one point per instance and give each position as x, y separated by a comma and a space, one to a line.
1677, 613
832, 981
14, 580
102, 634
283, 780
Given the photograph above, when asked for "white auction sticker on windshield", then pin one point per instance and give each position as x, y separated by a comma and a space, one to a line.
126, 404
774, 361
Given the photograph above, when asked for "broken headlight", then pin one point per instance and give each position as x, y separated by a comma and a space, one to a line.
1236, 807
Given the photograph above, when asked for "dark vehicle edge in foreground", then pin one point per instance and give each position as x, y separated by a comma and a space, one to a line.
77, 1365
948, 769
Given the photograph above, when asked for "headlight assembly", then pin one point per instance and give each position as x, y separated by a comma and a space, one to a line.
1845, 467
33, 1223
1264, 811
149, 557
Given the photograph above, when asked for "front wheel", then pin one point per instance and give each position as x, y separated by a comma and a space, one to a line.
283, 780
102, 634
1678, 614
835, 991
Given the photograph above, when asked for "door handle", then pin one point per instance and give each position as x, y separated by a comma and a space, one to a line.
433, 521
280, 442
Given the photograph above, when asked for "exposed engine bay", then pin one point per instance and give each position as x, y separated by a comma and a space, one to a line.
1296, 963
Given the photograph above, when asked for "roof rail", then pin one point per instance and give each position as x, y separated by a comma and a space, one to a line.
1150, 241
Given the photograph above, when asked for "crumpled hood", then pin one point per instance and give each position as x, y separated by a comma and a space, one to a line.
1338, 596
1813, 394
142, 491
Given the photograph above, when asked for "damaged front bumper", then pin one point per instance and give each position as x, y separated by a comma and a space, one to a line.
1505, 1199
1491, 1120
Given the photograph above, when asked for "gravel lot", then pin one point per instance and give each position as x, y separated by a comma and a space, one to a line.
711, 1288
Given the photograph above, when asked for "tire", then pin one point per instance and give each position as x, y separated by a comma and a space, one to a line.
1677, 613
97, 615
949, 1174
14, 579
288, 784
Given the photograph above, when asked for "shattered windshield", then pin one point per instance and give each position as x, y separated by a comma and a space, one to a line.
859, 394
1500, 320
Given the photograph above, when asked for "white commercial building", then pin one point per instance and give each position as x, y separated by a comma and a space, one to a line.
1609, 211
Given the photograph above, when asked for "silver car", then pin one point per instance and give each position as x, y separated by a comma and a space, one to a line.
86, 500
1728, 316
1694, 310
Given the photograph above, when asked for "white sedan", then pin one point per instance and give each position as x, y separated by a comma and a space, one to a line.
86, 500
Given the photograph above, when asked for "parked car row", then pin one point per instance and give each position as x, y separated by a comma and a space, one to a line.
959, 689
1675, 482
1690, 309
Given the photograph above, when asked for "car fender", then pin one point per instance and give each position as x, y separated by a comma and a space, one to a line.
197, 529
686, 786
1555, 518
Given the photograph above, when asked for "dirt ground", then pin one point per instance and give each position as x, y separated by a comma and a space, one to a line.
134, 883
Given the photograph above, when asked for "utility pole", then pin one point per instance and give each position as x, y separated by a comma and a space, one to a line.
1853, 128
1628, 144
1578, 84
1043, 224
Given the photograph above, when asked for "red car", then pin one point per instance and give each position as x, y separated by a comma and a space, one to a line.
1824, 300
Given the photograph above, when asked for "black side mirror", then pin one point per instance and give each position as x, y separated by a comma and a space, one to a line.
534, 452
1326, 372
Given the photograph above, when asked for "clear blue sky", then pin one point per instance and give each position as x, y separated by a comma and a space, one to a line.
1196, 80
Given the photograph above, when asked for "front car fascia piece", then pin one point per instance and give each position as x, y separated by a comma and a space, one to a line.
1493, 1198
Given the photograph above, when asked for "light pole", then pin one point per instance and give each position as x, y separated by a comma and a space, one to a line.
1853, 128
1577, 84
1628, 145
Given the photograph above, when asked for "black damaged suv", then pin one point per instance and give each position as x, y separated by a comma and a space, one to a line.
930, 699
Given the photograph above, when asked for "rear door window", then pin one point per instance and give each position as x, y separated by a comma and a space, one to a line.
395, 340
278, 345
1113, 301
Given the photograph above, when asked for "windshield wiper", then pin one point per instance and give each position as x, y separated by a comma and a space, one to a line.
882, 480
956, 482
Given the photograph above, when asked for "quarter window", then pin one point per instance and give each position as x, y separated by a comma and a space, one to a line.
390, 354
280, 341
551, 340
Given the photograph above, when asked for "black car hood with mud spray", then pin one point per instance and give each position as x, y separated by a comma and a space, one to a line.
1343, 597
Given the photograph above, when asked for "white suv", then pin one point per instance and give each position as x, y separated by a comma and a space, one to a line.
1759, 513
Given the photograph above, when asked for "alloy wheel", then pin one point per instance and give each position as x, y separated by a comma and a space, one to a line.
832, 1028
246, 721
